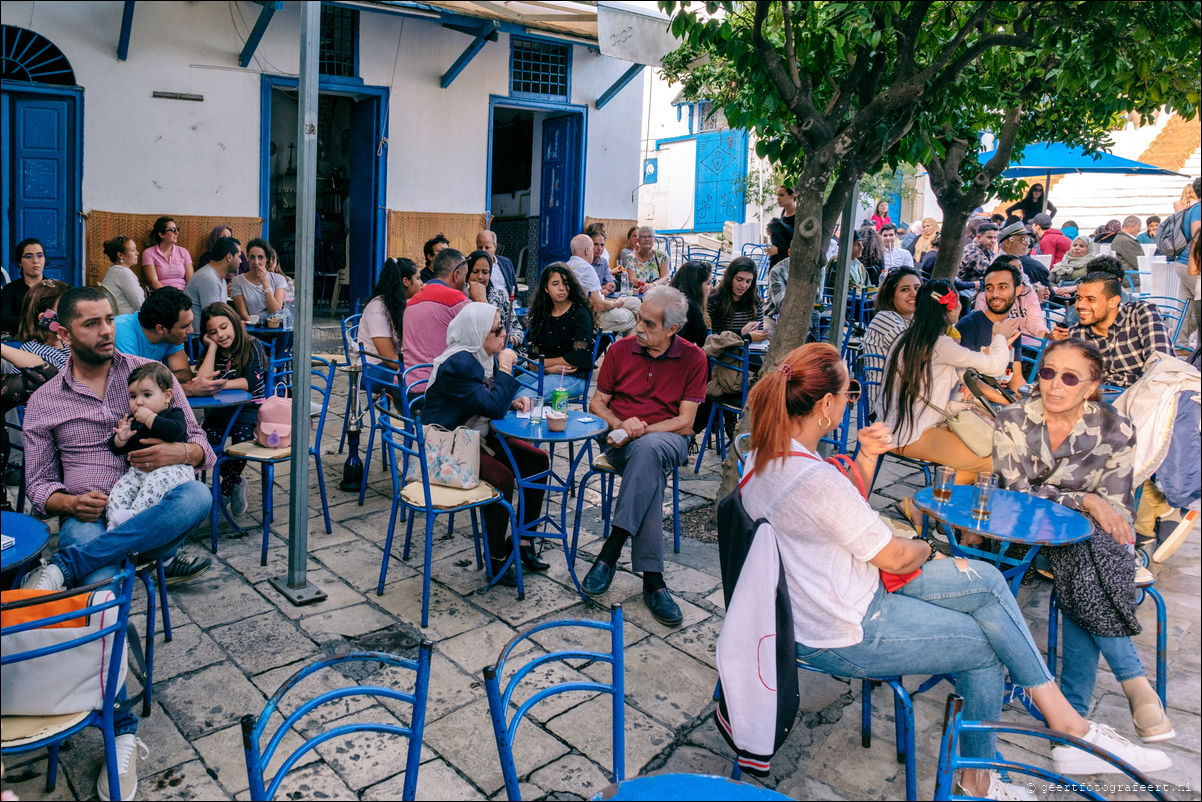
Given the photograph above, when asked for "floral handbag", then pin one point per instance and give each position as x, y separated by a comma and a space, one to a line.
452, 458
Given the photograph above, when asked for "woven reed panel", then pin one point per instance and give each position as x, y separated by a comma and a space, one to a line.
193, 235
615, 235
409, 231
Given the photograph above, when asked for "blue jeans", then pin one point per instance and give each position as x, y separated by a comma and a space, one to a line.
575, 386
88, 553
1081, 650
945, 621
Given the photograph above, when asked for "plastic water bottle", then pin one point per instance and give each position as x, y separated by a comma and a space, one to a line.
289, 307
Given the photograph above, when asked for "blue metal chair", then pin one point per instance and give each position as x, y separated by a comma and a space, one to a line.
402, 433
951, 761
57, 730
731, 403
159, 583
322, 376
499, 700
604, 468
379, 382
253, 729
350, 349
870, 371
1173, 311
699, 254
1145, 588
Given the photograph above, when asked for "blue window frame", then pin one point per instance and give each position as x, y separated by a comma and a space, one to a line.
540, 68
339, 49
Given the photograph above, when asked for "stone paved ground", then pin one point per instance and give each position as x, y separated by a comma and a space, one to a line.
236, 640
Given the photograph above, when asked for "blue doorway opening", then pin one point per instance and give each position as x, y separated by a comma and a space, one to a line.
352, 224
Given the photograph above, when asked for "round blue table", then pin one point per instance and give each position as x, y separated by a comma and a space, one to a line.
30, 534
223, 398
686, 786
1017, 518
580, 426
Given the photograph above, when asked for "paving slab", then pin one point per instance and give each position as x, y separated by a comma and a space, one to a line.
222, 754
190, 649
589, 728
189, 781
338, 594
219, 596
264, 641
450, 689
663, 682
543, 597
435, 780
574, 775
347, 622
450, 614
209, 700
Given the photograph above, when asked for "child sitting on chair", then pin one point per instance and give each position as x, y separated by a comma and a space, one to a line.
151, 415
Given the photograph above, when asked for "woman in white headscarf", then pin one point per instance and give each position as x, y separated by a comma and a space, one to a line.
471, 384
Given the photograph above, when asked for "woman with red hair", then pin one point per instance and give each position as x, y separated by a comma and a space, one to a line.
867, 603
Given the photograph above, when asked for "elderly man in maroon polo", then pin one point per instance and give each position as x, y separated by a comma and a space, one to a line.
648, 391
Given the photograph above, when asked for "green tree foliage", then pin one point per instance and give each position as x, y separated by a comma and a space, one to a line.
835, 91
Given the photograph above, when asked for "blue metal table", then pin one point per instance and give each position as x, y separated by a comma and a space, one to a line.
223, 398
686, 786
580, 426
31, 536
1017, 519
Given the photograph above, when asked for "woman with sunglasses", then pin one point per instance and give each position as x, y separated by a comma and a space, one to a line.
922, 371
471, 384
1066, 445
166, 263
869, 603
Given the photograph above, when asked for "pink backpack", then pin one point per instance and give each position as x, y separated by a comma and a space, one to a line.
274, 429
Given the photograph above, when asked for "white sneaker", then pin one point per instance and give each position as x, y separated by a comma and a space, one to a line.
1071, 760
238, 498
128, 748
46, 576
1001, 790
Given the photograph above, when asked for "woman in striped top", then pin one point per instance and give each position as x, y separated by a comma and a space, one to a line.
736, 306
894, 309
39, 329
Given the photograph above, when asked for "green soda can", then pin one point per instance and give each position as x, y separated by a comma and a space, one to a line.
559, 400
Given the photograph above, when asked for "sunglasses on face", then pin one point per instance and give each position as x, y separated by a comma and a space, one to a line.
170, 230
498, 331
1069, 379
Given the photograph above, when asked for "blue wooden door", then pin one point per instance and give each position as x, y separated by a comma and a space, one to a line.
721, 169
43, 180
559, 191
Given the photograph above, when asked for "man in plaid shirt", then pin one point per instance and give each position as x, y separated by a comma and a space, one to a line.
1127, 334
978, 254
69, 469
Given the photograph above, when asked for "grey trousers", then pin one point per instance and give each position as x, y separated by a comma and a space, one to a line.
640, 505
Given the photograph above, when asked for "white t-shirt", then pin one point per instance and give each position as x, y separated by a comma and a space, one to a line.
252, 294
586, 274
827, 533
375, 322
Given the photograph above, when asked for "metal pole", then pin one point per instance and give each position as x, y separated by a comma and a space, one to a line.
839, 291
296, 585
1047, 184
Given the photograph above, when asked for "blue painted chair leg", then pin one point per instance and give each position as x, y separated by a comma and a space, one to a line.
268, 506
736, 773
162, 572
408, 537
346, 416
676, 509
1053, 633
1162, 645
866, 714
705, 439
426, 571
52, 767
149, 647
388, 546
906, 710
450, 523
321, 484
476, 539
371, 439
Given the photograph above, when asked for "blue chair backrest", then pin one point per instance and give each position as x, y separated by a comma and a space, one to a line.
1032, 354
702, 254
402, 432
322, 381
122, 586
350, 335
870, 372
505, 728
742, 445
253, 729
1173, 312
950, 760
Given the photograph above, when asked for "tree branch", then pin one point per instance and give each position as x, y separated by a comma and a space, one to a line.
949, 51
790, 55
798, 100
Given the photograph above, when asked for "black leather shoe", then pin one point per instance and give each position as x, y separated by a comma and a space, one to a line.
598, 579
509, 579
530, 560
663, 608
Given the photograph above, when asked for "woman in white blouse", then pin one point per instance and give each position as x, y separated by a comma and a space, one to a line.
121, 281
922, 371
259, 292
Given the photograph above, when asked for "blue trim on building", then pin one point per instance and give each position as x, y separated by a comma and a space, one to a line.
535, 104
618, 85
483, 35
127, 24
76, 93
532, 95
670, 139
256, 34
329, 84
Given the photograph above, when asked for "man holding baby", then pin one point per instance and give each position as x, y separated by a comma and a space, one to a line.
648, 390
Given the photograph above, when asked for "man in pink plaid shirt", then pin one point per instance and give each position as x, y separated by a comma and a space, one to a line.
69, 469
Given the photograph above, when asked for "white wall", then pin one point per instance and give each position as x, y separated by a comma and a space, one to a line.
144, 155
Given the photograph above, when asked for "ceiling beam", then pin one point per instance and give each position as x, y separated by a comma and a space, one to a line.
484, 32
619, 85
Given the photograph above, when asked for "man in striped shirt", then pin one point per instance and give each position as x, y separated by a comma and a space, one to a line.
69, 469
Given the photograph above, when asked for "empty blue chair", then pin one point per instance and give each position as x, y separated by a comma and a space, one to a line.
732, 402
322, 377
1172, 310
403, 436
608, 473
505, 727
258, 757
950, 760
56, 729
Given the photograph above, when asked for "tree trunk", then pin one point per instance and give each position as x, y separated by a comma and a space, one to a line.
806, 262
951, 241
